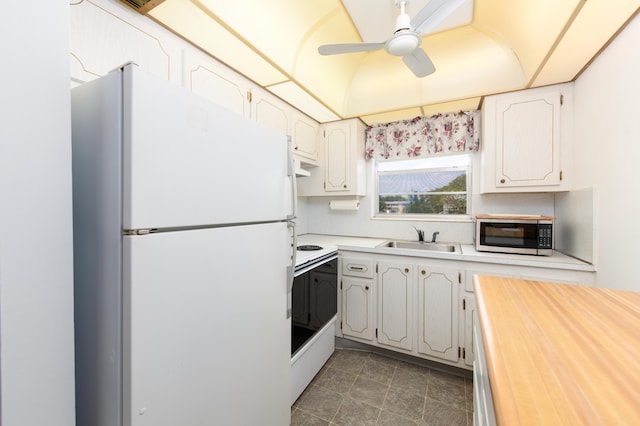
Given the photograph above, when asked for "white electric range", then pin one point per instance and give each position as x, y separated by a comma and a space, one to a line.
314, 312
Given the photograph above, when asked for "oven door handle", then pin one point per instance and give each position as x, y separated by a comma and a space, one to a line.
327, 258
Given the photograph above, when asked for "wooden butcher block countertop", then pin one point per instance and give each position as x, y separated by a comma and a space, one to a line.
560, 354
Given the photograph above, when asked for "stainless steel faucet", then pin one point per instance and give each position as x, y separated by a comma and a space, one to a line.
433, 237
420, 234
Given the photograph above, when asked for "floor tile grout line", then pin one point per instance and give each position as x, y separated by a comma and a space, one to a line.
359, 373
385, 394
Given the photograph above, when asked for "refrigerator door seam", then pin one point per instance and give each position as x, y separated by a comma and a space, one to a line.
147, 231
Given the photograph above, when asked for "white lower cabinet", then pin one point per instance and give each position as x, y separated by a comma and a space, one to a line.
357, 307
469, 308
424, 307
395, 304
438, 308
416, 305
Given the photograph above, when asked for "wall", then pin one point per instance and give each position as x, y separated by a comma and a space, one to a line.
607, 150
36, 264
321, 220
98, 29
104, 34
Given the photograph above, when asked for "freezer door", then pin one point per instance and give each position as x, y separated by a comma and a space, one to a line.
189, 162
206, 336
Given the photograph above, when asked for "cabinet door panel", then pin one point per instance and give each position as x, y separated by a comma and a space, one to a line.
268, 110
438, 292
341, 167
528, 140
305, 134
395, 313
337, 146
357, 307
216, 83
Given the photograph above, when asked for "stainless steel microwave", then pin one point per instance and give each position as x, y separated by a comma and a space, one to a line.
522, 234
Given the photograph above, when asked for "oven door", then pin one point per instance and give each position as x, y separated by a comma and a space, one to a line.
314, 300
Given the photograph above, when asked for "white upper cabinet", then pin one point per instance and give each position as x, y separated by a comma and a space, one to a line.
104, 36
270, 111
304, 135
527, 138
214, 81
341, 169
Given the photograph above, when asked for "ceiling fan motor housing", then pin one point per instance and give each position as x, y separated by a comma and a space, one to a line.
402, 43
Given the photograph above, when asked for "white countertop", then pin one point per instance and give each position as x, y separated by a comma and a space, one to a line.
467, 253
304, 257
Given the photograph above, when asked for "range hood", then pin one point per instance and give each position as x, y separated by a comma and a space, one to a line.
300, 172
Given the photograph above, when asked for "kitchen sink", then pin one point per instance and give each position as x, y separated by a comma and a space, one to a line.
420, 245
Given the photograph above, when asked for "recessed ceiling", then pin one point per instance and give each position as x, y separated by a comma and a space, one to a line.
376, 19
482, 48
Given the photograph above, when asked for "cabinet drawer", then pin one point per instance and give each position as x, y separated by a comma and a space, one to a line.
357, 267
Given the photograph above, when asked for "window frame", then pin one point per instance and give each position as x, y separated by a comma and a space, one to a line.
377, 215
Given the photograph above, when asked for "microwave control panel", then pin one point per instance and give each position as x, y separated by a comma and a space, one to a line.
545, 237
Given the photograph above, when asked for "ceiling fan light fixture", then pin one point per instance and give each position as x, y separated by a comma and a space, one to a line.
402, 43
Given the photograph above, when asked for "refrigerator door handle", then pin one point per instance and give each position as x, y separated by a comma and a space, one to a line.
291, 268
294, 183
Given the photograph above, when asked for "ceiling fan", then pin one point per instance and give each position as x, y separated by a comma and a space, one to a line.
407, 36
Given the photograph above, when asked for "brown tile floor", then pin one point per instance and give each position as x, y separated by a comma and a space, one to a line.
361, 388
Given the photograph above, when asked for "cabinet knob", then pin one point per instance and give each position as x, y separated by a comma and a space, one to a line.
502, 181
366, 287
406, 270
344, 186
295, 147
423, 272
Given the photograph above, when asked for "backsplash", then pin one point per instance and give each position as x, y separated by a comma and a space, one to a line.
314, 216
575, 232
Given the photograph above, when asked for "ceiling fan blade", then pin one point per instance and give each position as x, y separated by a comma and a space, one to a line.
433, 14
333, 49
419, 63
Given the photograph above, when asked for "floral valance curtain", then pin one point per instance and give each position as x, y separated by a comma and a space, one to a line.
453, 132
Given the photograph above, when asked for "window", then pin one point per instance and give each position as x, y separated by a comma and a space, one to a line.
429, 186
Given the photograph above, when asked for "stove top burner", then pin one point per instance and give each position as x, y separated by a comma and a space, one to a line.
308, 247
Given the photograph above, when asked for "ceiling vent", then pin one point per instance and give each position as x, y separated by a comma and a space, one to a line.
142, 6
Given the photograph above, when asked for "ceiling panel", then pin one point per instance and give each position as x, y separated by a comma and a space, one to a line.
428, 110
295, 95
592, 28
508, 45
183, 17
528, 28
461, 67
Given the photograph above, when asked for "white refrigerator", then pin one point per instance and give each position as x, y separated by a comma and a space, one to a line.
184, 254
